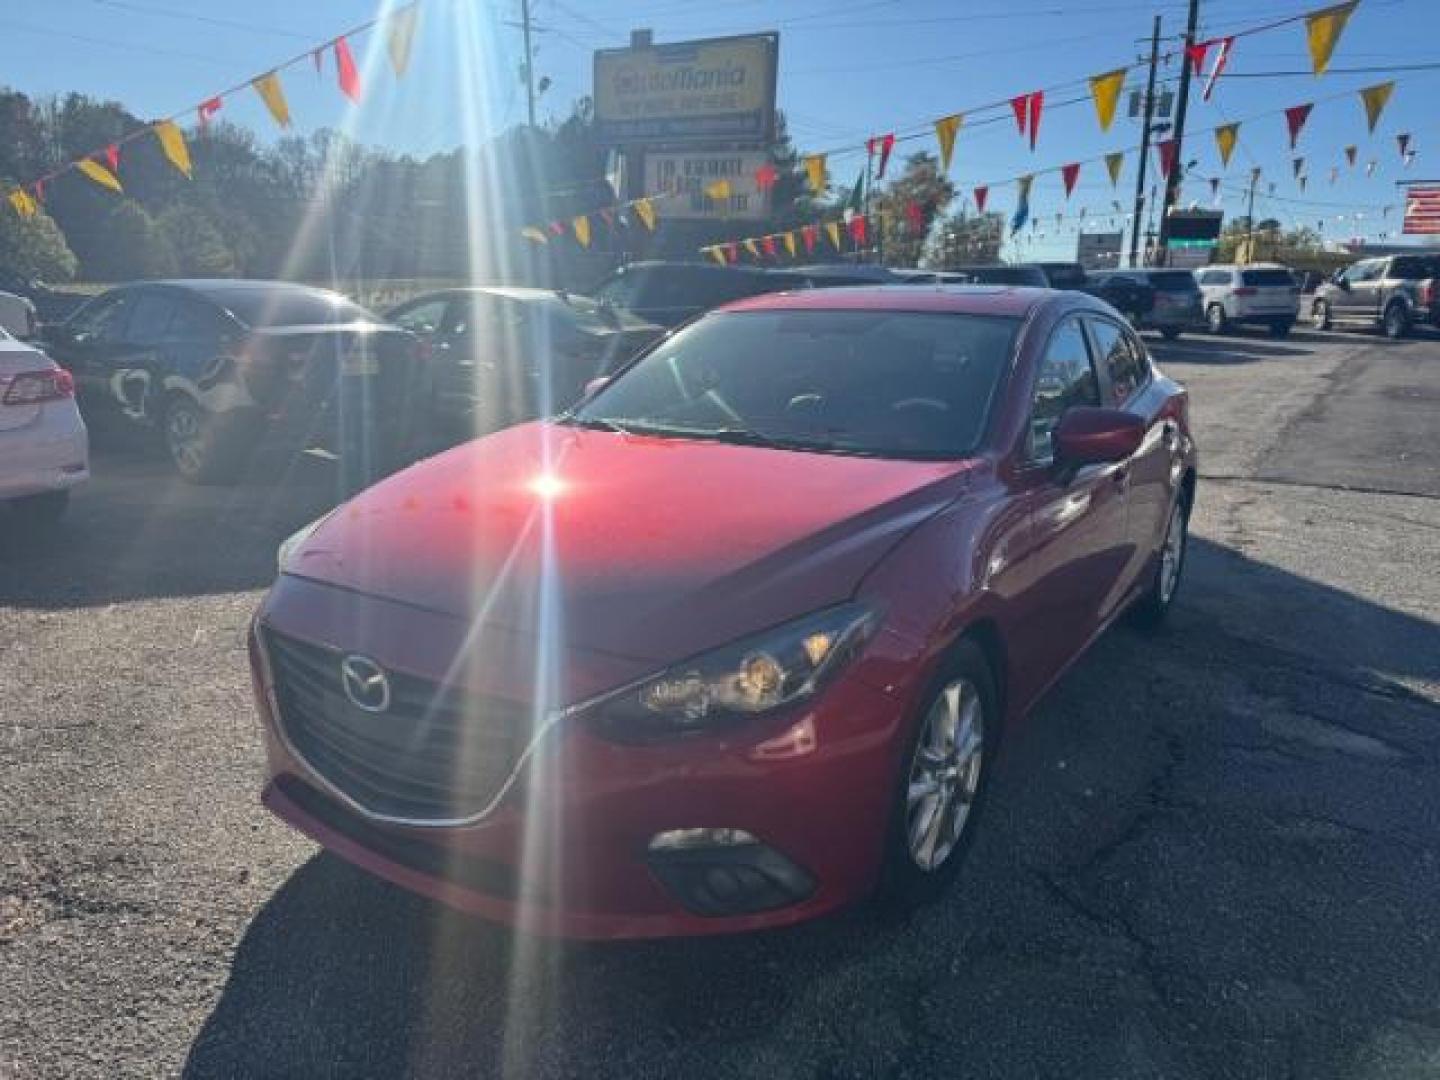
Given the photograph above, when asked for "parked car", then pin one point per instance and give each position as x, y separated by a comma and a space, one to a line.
734, 641
1130, 295
670, 293
44, 448
1065, 275
1262, 293
830, 275
51, 305
1176, 299
1394, 292
217, 365
18, 316
499, 355
1004, 274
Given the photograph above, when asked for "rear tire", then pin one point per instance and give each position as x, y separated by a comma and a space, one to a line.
942, 781
1215, 319
1320, 315
1281, 329
1152, 608
1396, 321
203, 449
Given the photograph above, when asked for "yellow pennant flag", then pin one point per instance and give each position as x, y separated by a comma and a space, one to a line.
790, 243
946, 128
1322, 31
752, 249
173, 143
1105, 89
1226, 135
645, 211
24, 203
534, 235
101, 175
1113, 164
718, 191
717, 254
815, 172
832, 230
401, 35
582, 230
270, 91
1375, 98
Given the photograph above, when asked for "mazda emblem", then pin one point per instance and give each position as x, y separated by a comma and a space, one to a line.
365, 682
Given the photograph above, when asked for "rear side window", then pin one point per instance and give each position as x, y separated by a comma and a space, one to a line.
1413, 268
422, 317
1215, 277
103, 319
1364, 271
1066, 379
1273, 276
194, 322
1124, 363
1173, 280
150, 318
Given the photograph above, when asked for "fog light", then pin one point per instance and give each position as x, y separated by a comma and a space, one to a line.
693, 839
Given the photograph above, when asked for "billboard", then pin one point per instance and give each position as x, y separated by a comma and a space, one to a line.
684, 176
717, 90
1189, 228
1099, 250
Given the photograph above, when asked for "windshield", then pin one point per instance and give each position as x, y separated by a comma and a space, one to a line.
1173, 280
1272, 276
889, 384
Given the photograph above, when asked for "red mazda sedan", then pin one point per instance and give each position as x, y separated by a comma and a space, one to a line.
733, 642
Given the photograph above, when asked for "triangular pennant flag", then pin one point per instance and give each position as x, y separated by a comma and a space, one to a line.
23, 203
1069, 174
1226, 135
815, 173
767, 244
808, 235
1020, 105
1196, 53
608, 216
732, 252
1222, 57
1298, 164
752, 249
1113, 164
1105, 92
112, 157
882, 145
273, 94
534, 235
557, 228
581, 226
765, 177
645, 211
1302, 181
1022, 204
1403, 141
789, 239
1037, 103
1322, 32
172, 142
1255, 175
832, 230
1350, 156
946, 128
39, 191
1165, 151
857, 194
1295, 118
1374, 98
857, 230
400, 36
97, 172
206, 109
718, 191
981, 194
715, 253
346, 72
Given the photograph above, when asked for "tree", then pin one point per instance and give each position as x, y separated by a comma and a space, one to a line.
34, 247
965, 239
907, 207
200, 250
131, 246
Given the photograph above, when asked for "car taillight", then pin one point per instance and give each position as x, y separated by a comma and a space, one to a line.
421, 350
1427, 293
34, 387
1245, 291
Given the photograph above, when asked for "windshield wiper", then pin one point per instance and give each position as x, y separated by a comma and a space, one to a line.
595, 423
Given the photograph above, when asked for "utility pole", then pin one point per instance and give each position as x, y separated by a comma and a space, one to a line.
529, 63
1250, 217
1145, 143
1177, 170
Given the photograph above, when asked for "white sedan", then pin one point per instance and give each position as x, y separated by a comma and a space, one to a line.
44, 448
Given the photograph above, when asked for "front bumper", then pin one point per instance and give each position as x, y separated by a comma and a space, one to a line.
50, 454
566, 851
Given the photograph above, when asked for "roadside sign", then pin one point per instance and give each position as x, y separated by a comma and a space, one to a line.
715, 90
1099, 250
685, 176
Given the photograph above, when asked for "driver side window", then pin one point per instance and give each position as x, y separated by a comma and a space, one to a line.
1066, 379
102, 320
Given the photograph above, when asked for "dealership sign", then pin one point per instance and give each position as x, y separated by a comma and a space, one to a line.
1099, 250
686, 176
718, 90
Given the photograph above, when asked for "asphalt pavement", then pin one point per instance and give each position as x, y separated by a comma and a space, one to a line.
1210, 853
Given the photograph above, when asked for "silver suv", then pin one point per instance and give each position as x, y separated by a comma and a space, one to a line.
1262, 293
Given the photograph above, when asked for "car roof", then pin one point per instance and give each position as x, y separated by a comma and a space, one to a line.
1008, 300
218, 289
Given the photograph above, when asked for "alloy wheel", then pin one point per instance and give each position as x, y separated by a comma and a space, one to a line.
945, 774
184, 438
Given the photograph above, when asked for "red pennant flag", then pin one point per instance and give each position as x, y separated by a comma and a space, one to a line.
1036, 104
1165, 148
1404, 142
809, 234
206, 109
40, 191
1021, 106
1197, 53
732, 252
914, 217
345, 66
882, 145
857, 229
765, 177
1222, 57
767, 245
557, 228
1070, 173
112, 157
981, 194
1295, 118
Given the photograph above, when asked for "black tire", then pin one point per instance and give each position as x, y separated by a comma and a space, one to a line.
1170, 333
39, 515
1281, 329
1151, 609
1396, 321
904, 883
202, 449
1215, 320
1320, 315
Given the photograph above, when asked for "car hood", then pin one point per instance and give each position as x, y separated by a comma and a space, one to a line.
648, 547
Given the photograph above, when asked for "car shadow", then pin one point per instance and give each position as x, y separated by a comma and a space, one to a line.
1221, 349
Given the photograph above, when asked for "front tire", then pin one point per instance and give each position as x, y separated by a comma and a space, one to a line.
1396, 321
942, 781
1320, 315
1215, 320
202, 448
1152, 609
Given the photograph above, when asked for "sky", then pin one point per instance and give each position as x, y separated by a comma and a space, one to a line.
848, 69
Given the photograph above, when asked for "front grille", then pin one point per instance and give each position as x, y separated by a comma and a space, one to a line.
435, 754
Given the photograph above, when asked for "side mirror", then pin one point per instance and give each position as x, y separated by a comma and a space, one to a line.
594, 386
1088, 436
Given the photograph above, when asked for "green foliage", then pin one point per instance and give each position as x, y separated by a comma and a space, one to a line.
34, 247
199, 248
920, 184
133, 246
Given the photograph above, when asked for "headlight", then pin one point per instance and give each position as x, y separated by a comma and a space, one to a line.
291, 543
757, 675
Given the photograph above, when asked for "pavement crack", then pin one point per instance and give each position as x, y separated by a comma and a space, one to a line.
1351, 489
